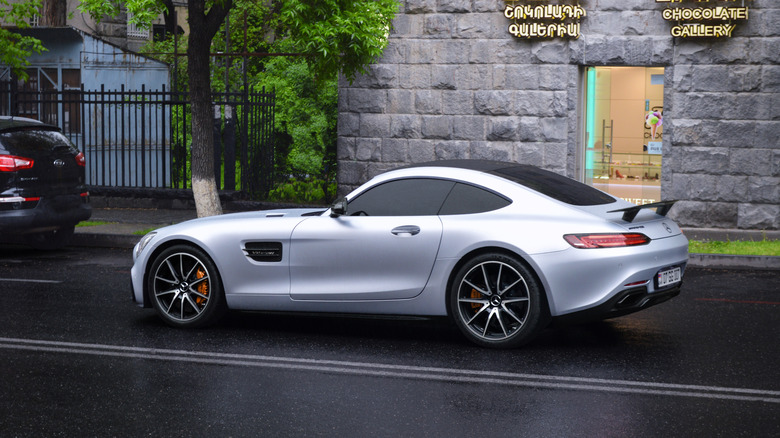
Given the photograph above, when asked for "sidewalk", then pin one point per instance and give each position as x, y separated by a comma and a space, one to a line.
124, 223
126, 226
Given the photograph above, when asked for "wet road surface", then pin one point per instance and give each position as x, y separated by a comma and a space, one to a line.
79, 359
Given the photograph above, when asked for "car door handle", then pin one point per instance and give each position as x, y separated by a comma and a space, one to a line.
411, 230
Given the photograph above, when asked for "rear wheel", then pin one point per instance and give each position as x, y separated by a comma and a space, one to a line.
185, 288
496, 301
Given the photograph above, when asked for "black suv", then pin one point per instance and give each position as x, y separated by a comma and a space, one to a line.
42, 190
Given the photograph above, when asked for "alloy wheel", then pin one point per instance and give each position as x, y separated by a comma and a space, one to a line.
493, 301
182, 287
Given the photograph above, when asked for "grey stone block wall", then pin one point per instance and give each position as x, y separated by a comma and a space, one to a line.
725, 126
453, 83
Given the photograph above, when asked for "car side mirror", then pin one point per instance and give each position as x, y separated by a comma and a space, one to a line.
338, 208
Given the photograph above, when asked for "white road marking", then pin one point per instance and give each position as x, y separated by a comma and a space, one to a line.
398, 371
25, 280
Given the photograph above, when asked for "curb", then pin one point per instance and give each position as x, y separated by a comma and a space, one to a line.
91, 240
727, 261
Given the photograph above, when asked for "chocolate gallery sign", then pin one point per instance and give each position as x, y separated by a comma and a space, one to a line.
704, 18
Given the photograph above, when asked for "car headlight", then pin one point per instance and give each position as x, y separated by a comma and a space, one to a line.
139, 247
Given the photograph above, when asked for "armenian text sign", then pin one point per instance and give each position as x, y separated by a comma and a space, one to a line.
530, 19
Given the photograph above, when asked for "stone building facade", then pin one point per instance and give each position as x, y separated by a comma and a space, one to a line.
454, 82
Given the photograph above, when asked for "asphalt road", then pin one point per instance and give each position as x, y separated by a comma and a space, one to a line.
77, 358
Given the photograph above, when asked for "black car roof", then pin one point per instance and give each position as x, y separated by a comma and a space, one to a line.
11, 123
556, 186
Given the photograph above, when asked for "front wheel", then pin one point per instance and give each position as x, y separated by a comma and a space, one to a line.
185, 288
496, 301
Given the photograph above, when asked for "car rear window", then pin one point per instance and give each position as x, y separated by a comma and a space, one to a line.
553, 185
32, 140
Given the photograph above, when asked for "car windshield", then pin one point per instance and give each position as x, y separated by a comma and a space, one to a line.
553, 185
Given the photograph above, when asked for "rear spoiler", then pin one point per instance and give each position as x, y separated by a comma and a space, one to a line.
630, 213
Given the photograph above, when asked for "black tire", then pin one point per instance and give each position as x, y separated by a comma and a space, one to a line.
51, 240
185, 288
496, 301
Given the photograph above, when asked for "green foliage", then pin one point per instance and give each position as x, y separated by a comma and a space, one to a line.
15, 48
339, 36
306, 113
322, 38
144, 11
308, 191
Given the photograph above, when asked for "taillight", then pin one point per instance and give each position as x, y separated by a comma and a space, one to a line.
606, 240
10, 163
81, 160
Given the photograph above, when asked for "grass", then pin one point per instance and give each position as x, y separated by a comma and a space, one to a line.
92, 223
737, 247
96, 223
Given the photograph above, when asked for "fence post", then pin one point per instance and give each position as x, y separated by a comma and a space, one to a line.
229, 144
217, 145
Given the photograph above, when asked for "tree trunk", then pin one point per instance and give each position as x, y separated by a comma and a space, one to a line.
53, 13
203, 27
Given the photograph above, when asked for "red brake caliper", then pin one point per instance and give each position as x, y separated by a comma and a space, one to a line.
203, 288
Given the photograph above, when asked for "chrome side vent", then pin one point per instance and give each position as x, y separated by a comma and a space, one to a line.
264, 251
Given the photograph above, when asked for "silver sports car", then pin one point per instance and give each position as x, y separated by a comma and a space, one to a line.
503, 249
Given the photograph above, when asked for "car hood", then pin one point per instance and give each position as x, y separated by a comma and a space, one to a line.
235, 220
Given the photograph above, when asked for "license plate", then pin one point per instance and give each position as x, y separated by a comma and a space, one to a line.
669, 277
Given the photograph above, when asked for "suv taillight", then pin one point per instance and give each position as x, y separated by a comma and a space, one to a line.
10, 163
81, 160
615, 240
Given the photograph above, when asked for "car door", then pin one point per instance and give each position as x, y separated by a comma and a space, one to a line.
384, 247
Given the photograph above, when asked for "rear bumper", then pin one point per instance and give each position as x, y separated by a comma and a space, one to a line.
49, 214
604, 283
624, 303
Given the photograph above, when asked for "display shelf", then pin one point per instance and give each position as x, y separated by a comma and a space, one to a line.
622, 166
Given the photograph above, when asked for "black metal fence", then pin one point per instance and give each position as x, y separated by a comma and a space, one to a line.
143, 138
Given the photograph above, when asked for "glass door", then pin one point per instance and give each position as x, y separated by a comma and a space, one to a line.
624, 131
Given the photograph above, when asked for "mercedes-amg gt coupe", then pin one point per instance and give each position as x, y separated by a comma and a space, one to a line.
503, 249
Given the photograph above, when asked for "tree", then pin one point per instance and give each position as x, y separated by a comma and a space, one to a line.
54, 13
15, 48
336, 36
204, 24
339, 36
205, 20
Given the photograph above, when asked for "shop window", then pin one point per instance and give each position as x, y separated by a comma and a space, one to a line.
624, 131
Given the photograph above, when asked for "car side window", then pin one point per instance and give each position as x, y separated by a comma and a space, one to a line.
468, 199
402, 197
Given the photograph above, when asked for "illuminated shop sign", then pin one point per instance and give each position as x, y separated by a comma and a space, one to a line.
540, 19
703, 18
